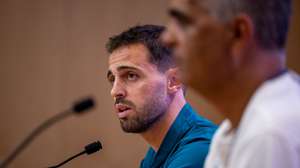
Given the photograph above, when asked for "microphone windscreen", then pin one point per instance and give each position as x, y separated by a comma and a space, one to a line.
93, 147
83, 105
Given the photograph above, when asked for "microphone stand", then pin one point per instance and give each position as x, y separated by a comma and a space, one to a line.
71, 158
78, 108
32, 136
89, 149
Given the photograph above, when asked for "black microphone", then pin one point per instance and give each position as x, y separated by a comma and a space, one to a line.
78, 108
89, 149
83, 105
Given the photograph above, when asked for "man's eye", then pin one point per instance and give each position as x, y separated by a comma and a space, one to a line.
132, 76
183, 24
111, 80
181, 19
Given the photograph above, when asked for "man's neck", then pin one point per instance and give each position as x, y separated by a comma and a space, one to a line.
233, 101
155, 135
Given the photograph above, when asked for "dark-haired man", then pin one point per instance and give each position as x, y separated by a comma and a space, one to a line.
233, 53
149, 100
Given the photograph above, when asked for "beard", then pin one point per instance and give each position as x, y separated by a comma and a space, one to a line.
151, 112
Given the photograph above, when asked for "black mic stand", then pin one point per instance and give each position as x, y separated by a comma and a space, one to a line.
78, 108
89, 149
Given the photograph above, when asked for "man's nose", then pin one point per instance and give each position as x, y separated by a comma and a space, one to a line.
117, 90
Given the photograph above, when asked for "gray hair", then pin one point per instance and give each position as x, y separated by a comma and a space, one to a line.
270, 18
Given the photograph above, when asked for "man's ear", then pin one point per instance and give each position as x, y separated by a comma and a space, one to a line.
173, 82
242, 28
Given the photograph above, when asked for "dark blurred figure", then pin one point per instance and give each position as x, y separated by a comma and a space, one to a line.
233, 53
149, 100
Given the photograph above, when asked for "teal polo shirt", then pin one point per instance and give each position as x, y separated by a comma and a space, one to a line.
186, 143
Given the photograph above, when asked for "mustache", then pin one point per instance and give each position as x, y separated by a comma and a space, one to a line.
125, 102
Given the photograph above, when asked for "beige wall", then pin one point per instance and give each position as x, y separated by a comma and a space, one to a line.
52, 53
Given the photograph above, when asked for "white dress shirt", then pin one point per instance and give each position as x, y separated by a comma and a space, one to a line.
268, 135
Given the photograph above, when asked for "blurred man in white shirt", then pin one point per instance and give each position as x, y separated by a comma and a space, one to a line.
232, 52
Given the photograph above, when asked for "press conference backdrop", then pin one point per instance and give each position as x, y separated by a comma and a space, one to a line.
51, 54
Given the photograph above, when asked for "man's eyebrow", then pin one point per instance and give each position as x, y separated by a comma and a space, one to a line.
180, 16
120, 68
126, 67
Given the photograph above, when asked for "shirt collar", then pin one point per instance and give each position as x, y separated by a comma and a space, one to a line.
174, 135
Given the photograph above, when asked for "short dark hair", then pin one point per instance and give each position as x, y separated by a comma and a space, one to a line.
149, 36
270, 17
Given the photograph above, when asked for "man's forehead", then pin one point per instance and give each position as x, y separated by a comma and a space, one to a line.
183, 3
130, 56
185, 7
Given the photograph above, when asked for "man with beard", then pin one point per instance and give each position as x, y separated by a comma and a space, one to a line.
233, 53
149, 100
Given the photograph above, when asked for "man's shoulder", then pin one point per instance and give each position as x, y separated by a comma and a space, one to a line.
192, 117
193, 136
274, 110
198, 136
199, 127
191, 151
